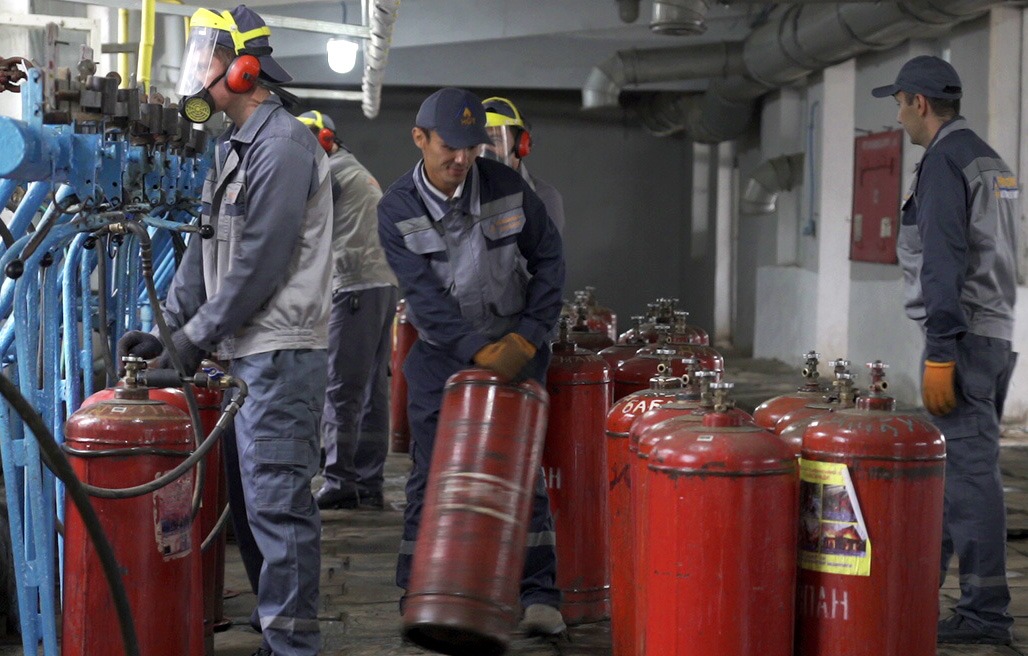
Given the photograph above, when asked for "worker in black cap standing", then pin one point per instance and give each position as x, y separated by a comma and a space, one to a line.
256, 294
957, 247
481, 265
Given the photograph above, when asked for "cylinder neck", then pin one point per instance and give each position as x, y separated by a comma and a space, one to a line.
563, 345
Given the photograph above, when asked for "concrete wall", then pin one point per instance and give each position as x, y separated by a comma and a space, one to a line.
626, 195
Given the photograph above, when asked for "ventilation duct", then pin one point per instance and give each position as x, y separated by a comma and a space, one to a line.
679, 17
796, 41
768, 180
376, 53
629, 67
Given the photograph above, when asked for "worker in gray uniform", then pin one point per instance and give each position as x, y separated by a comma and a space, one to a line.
355, 423
957, 247
255, 294
511, 143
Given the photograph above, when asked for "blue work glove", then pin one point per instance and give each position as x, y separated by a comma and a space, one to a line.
189, 353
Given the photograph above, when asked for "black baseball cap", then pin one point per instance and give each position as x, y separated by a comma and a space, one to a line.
457, 115
927, 75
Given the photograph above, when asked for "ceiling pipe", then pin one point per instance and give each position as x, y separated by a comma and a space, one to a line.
770, 178
382, 16
796, 41
628, 10
629, 67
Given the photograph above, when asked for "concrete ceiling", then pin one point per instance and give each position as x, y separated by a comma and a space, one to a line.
492, 44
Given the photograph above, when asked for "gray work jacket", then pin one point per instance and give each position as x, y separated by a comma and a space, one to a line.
957, 243
261, 284
359, 261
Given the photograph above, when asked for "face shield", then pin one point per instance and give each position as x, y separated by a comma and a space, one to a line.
502, 147
195, 73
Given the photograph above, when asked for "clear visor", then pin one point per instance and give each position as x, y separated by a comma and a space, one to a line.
195, 73
502, 147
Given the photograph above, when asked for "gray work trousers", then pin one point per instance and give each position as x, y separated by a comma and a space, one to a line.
974, 515
355, 423
276, 520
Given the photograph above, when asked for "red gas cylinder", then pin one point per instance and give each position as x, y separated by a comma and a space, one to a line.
659, 313
870, 478
404, 336
574, 464
843, 396
663, 389
122, 442
463, 594
769, 412
633, 374
722, 534
618, 353
689, 408
215, 498
797, 420
601, 319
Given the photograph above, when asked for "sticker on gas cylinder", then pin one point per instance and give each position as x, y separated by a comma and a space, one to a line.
172, 507
833, 534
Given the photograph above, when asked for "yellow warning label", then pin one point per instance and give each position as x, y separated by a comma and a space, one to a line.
833, 535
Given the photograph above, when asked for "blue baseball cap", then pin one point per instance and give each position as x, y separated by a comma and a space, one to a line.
457, 115
927, 75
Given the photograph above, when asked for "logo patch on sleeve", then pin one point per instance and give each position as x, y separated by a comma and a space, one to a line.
1006, 187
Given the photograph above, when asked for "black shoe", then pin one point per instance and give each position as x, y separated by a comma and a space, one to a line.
371, 501
957, 630
262, 652
336, 498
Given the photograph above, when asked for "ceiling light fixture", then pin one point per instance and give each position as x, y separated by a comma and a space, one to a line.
342, 54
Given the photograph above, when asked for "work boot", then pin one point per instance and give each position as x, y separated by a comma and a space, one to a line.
336, 498
542, 620
958, 630
371, 500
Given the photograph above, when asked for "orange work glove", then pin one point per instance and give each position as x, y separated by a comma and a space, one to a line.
506, 356
937, 390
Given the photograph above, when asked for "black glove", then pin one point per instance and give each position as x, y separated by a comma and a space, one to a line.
189, 353
139, 344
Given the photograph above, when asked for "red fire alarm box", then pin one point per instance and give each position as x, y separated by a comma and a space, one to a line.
877, 177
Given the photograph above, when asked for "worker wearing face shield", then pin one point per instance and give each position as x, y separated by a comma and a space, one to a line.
255, 295
355, 424
511, 143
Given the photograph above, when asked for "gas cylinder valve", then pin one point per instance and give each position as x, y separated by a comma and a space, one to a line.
720, 392
878, 382
132, 365
812, 359
844, 389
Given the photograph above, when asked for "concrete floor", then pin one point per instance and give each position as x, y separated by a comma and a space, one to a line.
359, 602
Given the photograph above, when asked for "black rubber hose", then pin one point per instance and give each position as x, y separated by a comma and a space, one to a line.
6, 235
227, 416
219, 526
55, 460
146, 259
101, 325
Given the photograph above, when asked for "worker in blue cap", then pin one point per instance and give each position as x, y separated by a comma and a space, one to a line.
481, 265
957, 247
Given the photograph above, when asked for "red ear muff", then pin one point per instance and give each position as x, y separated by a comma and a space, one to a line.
242, 73
327, 139
522, 144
